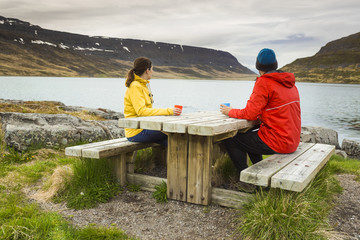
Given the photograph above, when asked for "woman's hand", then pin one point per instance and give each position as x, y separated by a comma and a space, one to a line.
177, 111
225, 110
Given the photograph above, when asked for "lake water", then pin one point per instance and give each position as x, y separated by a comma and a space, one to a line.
335, 106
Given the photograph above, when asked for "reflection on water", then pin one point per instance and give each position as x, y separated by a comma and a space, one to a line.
335, 106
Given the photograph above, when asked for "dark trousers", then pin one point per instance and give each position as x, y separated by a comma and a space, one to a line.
246, 143
146, 136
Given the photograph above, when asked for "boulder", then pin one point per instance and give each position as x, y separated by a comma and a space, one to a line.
319, 135
102, 112
351, 147
341, 153
24, 130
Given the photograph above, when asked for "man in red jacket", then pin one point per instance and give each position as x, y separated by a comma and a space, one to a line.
275, 102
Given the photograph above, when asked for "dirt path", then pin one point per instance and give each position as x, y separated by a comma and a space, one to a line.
346, 215
139, 215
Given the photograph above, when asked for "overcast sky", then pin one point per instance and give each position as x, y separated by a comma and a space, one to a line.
294, 29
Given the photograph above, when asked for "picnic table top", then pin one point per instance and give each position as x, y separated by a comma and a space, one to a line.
209, 123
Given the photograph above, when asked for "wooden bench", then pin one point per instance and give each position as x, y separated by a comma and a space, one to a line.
291, 172
120, 154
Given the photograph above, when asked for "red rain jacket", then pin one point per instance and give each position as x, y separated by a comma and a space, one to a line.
275, 102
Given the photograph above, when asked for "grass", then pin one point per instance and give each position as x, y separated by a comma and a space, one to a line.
91, 183
45, 107
279, 214
160, 193
22, 219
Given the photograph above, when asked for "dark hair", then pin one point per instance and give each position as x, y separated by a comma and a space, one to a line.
141, 64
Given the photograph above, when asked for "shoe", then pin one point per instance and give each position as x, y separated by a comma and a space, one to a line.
245, 187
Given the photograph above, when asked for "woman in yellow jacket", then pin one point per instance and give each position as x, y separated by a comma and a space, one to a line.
138, 102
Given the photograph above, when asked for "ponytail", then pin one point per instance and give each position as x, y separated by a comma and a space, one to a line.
140, 66
130, 77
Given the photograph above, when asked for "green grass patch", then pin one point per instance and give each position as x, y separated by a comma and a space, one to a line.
13, 156
101, 233
134, 187
144, 161
160, 193
339, 165
91, 184
279, 214
22, 220
35, 171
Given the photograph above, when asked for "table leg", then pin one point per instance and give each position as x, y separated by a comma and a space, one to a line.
177, 166
199, 169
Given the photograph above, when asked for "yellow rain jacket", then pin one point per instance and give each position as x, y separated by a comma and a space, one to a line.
138, 103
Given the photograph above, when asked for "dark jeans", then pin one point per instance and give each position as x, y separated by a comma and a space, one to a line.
150, 136
246, 143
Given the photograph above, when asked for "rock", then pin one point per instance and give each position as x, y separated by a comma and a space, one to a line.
351, 147
341, 153
102, 112
319, 135
24, 130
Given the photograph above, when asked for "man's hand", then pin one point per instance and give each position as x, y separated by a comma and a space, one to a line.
224, 109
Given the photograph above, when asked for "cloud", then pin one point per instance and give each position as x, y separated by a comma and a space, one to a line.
292, 28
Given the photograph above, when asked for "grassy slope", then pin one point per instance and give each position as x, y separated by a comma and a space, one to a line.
337, 62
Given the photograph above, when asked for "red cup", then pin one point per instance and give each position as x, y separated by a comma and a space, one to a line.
178, 107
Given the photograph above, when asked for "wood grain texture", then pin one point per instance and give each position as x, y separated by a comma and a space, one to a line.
299, 173
76, 151
261, 172
199, 169
219, 196
177, 166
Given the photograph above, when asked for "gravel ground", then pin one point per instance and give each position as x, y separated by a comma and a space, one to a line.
345, 217
139, 215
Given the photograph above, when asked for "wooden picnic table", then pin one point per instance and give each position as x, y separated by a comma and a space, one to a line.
191, 139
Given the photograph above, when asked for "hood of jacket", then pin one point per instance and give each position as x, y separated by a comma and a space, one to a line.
140, 80
284, 78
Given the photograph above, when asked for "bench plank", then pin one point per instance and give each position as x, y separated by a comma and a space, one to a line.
261, 172
76, 151
114, 149
298, 174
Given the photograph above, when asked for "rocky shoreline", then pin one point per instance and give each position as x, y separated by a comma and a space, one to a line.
35, 130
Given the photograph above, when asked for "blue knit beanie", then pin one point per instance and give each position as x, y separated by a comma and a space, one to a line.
266, 60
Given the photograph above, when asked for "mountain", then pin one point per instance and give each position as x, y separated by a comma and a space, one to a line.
30, 50
337, 62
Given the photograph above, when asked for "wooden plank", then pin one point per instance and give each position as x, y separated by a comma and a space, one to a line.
76, 151
261, 172
177, 166
219, 127
221, 137
118, 166
222, 197
229, 198
181, 125
135, 122
298, 174
199, 169
114, 149
147, 183
219, 196
157, 122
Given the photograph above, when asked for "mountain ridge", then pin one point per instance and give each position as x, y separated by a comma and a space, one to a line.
30, 50
336, 62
